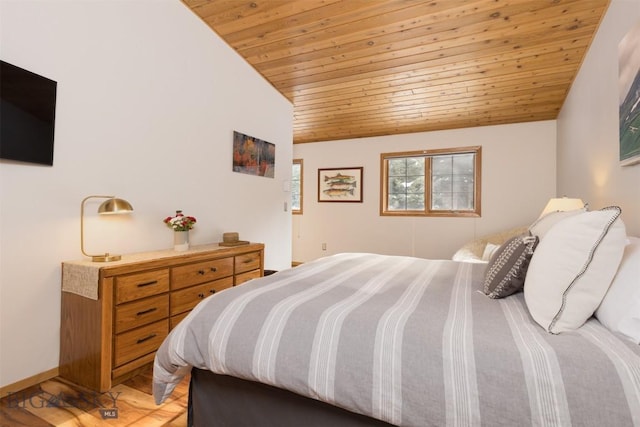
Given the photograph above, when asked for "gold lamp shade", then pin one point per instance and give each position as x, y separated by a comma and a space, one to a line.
115, 206
111, 206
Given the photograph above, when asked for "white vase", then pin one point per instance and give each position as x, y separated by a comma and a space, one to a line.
181, 240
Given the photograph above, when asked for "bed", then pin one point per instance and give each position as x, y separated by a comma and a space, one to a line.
366, 339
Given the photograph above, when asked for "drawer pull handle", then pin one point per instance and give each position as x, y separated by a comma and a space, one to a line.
214, 269
200, 271
143, 284
212, 291
141, 340
201, 295
140, 313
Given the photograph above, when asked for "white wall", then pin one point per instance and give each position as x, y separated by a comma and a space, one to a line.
518, 178
148, 98
588, 129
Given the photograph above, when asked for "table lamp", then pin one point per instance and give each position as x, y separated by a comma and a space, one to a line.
562, 204
111, 206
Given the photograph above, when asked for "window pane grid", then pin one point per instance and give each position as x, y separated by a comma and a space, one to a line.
406, 189
296, 187
452, 182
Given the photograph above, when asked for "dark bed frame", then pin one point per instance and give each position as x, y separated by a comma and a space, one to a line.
221, 400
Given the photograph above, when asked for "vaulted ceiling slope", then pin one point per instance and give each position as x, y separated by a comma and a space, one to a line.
357, 68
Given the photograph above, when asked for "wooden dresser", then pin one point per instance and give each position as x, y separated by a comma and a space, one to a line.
115, 315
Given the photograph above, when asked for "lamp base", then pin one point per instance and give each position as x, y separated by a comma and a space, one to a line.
106, 258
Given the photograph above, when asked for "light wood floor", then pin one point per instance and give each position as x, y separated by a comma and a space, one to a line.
59, 403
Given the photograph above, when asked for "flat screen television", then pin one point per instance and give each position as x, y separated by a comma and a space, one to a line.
27, 115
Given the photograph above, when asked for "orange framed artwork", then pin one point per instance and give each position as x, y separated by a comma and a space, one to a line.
253, 156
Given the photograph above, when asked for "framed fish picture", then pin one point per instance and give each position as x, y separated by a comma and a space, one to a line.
340, 185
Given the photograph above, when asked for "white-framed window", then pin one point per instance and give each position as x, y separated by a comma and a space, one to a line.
442, 182
296, 187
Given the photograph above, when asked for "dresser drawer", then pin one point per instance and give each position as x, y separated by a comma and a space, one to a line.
186, 299
247, 262
141, 312
244, 277
140, 285
138, 342
201, 272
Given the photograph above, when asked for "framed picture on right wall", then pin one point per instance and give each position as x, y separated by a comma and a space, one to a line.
629, 86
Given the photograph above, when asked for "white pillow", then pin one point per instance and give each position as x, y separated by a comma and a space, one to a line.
489, 250
572, 268
542, 225
620, 308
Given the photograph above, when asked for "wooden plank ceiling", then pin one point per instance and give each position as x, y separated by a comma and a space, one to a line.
358, 68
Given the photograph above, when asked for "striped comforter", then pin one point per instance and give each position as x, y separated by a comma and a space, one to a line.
409, 341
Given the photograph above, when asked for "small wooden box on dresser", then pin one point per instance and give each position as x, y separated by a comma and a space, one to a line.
115, 315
